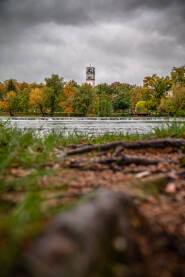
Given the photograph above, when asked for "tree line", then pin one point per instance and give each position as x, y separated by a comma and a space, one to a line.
162, 95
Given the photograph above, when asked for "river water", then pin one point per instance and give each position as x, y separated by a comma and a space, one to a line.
91, 125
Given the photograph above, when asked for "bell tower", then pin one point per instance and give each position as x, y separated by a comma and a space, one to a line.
90, 75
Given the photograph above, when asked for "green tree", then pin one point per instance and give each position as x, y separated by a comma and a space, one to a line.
104, 88
121, 97
56, 86
83, 100
122, 101
178, 75
2, 90
141, 107
23, 100
104, 107
11, 85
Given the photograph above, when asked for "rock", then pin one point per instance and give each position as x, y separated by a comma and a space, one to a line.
171, 189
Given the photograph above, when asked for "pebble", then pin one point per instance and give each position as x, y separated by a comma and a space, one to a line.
171, 188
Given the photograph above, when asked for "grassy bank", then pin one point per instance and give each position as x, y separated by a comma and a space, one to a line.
27, 162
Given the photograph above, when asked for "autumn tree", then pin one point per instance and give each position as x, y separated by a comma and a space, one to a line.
23, 86
72, 83
67, 99
56, 86
175, 104
158, 85
135, 96
9, 103
37, 99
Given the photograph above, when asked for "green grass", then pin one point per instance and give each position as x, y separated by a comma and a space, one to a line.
24, 150
173, 130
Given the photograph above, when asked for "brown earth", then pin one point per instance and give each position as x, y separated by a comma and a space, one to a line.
157, 192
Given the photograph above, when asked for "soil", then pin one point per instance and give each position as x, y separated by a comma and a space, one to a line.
158, 190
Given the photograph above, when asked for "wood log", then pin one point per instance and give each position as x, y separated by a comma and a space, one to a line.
154, 143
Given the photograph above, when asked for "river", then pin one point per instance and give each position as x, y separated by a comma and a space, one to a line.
91, 125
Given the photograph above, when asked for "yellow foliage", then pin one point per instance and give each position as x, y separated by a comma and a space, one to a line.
8, 102
136, 95
3, 106
37, 97
67, 99
11, 94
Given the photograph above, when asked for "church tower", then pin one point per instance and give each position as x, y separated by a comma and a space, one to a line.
90, 75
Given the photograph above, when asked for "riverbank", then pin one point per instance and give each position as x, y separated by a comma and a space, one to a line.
132, 115
40, 179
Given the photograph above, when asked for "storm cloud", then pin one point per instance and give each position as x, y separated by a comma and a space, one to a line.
124, 39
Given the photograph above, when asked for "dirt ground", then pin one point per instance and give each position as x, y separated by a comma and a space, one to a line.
158, 189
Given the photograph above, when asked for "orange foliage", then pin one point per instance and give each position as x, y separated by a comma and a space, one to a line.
37, 97
10, 95
67, 99
3, 105
9, 102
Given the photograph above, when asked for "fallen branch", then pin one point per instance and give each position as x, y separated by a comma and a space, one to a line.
161, 143
128, 159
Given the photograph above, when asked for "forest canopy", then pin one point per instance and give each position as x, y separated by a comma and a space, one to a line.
157, 95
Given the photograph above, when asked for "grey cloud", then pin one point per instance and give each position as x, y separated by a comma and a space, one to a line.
78, 11
125, 39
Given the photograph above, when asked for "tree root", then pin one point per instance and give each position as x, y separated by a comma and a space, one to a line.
161, 143
128, 159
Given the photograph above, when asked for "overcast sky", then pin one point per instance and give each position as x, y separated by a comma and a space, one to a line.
124, 39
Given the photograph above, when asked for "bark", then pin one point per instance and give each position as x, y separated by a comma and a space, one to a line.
11, 113
41, 109
161, 143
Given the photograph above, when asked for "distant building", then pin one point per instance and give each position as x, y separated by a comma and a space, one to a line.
90, 75
169, 93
